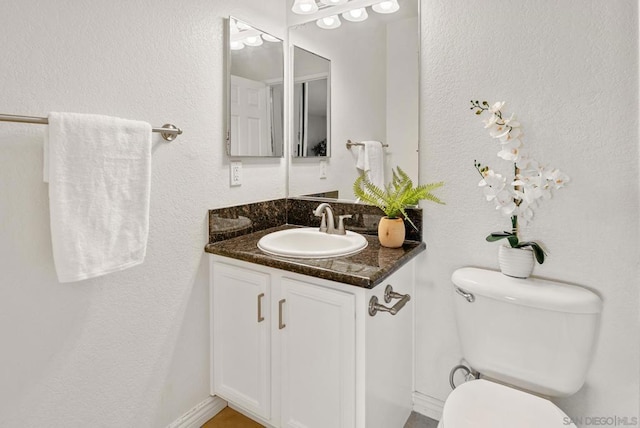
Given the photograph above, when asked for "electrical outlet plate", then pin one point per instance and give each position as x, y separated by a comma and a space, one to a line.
235, 171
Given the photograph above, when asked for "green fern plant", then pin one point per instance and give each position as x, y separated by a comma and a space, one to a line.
397, 195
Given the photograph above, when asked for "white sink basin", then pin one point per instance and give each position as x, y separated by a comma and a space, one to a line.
310, 243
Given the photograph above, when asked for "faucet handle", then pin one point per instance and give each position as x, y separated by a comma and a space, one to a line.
323, 222
341, 223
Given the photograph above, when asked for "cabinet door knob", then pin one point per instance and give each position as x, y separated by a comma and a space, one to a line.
281, 325
260, 317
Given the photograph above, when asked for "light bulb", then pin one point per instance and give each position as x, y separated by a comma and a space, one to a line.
243, 26
304, 7
356, 15
236, 45
329, 23
386, 6
253, 40
333, 2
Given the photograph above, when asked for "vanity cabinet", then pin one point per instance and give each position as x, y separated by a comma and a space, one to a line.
295, 351
241, 337
317, 355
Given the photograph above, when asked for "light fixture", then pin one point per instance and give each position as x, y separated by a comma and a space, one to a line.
356, 15
253, 40
333, 2
243, 26
233, 26
270, 38
304, 7
386, 6
329, 23
236, 45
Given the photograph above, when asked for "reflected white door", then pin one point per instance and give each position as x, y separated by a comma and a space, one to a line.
250, 133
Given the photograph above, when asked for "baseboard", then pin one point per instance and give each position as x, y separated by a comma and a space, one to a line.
428, 406
199, 414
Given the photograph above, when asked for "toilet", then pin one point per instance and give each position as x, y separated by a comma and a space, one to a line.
530, 340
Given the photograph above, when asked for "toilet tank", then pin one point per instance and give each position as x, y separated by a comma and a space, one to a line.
534, 334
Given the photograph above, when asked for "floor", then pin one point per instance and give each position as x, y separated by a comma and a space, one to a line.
229, 418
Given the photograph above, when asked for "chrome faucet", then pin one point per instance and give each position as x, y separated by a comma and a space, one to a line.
327, 224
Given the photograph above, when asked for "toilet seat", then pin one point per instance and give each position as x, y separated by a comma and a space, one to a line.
481, 403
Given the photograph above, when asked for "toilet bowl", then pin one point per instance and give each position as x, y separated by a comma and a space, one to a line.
482, 403
536, 336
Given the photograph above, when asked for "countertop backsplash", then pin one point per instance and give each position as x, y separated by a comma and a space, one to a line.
230, 222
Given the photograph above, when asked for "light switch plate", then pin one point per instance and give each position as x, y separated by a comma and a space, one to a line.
235, 171
323, 169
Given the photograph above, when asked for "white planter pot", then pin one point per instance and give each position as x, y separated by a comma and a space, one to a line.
516, 262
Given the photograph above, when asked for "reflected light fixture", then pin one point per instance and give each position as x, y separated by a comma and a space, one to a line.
236, 45
253, 40
386, 6
304, 7
333, 2
329, 23
242, 26
233, 26
356, 15
270, 38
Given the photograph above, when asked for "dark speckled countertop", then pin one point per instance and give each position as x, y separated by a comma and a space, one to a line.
366, 269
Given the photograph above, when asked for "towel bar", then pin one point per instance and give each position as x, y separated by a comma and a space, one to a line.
168, 131
389, 294
351, 144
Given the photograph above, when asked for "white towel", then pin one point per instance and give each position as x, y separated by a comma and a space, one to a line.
99, 174
371, 161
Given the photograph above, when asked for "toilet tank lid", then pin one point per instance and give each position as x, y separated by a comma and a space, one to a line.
532, 292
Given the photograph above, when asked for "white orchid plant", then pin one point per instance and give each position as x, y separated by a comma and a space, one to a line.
531, 183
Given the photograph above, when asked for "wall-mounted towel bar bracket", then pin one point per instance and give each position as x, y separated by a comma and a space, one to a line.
168, 131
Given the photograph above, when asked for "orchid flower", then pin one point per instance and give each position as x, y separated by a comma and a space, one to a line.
531, 183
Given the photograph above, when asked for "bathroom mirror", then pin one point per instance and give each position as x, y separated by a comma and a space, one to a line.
255, 118
374, 93
311, 100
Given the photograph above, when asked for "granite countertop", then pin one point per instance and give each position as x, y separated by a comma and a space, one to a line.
365, 269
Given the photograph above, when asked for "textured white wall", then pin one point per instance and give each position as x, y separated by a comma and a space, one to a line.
569, 70
129, 349
403, 89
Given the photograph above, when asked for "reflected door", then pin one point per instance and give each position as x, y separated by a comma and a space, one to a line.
311, 127
250, 130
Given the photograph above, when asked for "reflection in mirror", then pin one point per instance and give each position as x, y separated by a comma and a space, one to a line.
311, 101
374, 90
256, 95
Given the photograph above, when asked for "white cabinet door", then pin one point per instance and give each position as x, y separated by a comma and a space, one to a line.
317, 356
241, 337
